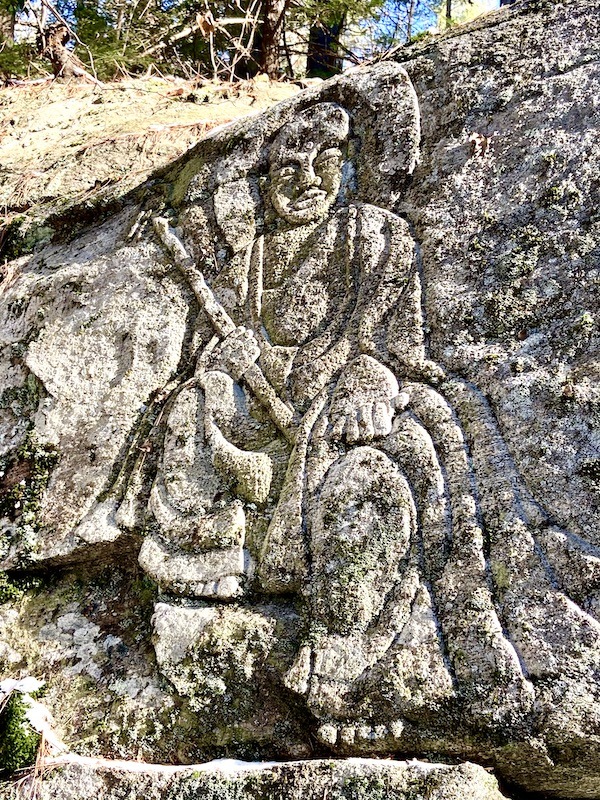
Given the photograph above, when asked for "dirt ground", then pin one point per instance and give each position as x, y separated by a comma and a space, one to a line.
66, 143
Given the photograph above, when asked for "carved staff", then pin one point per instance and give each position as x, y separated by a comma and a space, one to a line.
278, 411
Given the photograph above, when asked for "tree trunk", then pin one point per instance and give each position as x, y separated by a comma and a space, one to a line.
410, 12
323, 59
271, 36
64, 63
448, 13
7, 27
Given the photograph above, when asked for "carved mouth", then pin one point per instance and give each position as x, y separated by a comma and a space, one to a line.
309, 198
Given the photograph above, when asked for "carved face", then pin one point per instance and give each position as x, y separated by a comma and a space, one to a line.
306, 161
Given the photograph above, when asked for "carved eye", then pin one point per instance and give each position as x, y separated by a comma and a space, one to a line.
331, 157
285, 172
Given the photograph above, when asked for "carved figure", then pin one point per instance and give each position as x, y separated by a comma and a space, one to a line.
320, 453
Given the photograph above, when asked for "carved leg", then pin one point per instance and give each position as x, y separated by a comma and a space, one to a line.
361, 525
487, 667
195, 545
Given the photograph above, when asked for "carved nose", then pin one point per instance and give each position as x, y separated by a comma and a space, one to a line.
308, 177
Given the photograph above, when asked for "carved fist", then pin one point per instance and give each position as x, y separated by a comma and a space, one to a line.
426, 372
236, 353
363, 404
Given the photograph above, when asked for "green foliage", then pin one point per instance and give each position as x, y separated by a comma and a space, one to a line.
330, 10
18, 741
19, 60
11, 6
109, 52
419, 37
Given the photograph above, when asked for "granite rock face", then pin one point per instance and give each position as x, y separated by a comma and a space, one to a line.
354, 779
332, 385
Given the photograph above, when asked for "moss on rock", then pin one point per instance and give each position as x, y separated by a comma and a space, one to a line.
18, 741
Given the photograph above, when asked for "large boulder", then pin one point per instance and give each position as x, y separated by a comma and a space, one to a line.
331, 383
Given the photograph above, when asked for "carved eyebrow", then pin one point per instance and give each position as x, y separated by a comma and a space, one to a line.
330, 152
293, 164
288, 167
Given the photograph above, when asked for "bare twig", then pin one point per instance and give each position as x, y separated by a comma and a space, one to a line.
211, 46
252, 19
199, 25
205, 23
38, 21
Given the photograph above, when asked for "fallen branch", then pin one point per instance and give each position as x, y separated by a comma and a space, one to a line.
32, 82
205, 23
206, 124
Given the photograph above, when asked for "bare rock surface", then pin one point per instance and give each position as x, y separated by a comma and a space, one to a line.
325, 393
353, 779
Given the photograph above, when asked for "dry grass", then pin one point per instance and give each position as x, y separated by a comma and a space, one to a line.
64, 143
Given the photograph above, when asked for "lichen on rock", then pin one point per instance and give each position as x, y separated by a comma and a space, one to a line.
303, 447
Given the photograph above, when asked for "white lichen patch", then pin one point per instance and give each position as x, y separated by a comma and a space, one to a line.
100, 691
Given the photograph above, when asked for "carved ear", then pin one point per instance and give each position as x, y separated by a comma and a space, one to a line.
385, 121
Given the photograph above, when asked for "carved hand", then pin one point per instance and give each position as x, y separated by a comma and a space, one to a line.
363, 405
427, 372
236, 353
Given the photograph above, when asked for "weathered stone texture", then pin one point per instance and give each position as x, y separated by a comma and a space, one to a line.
333, 385
355, 779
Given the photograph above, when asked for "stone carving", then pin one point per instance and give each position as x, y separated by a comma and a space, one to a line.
344, 408
319, 453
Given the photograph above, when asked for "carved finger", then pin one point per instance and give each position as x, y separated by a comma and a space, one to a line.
248, 342
236, 335
352, 430
338, 424
366, 419
254, 349
246, 335
382, 419
401, 401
